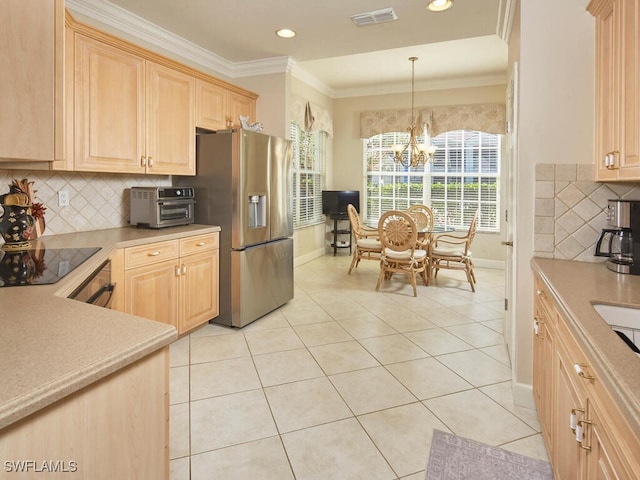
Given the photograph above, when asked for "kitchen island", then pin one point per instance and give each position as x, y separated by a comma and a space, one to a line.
64, 361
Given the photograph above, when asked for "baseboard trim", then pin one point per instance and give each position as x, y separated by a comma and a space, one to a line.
302, 259
523, 395
484, 263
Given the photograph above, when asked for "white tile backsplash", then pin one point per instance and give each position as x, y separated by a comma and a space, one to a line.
97, 200
568, 226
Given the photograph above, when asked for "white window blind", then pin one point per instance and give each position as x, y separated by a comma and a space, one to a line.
462, 178
308, 175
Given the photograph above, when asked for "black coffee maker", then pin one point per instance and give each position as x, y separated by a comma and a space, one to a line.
621, 242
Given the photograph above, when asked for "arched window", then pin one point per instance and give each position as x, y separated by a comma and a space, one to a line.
463, 176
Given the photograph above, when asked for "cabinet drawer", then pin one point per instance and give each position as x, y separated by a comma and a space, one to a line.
199, 244
545, 300
149, 254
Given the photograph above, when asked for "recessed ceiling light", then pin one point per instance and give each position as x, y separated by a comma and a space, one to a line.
285, 33
440, 5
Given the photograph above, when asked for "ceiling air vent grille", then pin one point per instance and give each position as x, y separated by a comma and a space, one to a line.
378, 16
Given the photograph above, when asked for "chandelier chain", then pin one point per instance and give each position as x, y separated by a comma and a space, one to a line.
412, 154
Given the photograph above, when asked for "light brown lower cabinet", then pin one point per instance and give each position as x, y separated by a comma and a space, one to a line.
198, 291
543, 344
174, 282
117, 427
584, 429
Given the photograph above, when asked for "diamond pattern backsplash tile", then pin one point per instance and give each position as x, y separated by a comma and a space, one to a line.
568, 223
97, 200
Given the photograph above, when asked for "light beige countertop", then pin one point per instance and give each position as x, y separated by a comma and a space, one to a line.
576, 286
52, 346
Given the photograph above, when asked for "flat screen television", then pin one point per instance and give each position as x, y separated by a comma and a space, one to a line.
335, 201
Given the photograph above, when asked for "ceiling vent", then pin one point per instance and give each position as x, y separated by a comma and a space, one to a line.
378, 16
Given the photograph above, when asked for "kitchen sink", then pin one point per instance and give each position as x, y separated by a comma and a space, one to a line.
625, 321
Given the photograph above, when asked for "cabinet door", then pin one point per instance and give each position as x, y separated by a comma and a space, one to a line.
199, 298
568, 454
109, 108
241, 105
604, 461
152, 292
32, 80
630, 29
170, 121
543, 356
608, 91
211, 106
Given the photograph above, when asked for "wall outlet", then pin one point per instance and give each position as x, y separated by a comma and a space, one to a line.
63, 198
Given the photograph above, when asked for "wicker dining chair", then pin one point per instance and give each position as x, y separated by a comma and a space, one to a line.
365, 240
400, 253
454, 252
422, 215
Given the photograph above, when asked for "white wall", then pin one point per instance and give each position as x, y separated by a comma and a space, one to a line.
556, 125
271, 106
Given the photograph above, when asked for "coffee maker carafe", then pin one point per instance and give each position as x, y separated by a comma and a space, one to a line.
622, 246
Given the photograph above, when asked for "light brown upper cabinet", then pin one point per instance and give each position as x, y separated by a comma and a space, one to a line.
617, 89
131, 114
241, 105
32, 80
219, 108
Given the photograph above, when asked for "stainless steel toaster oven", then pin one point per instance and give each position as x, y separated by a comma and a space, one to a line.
159, 207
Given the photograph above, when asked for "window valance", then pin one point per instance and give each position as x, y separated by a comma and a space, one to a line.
383, 121
311, 116
483, 117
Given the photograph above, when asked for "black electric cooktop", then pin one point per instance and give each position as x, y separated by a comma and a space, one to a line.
40, 266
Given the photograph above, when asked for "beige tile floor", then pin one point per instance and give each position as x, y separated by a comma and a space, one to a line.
345, 382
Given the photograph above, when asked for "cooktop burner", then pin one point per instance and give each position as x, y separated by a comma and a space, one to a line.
40, 266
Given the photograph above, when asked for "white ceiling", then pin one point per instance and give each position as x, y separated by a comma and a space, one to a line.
459, 47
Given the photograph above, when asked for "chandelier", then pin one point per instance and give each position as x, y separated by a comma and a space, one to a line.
413, 153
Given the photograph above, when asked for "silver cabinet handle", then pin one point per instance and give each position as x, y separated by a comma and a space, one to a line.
507, 244
150, 161
143, 161
578, 369
537, 321
610, 160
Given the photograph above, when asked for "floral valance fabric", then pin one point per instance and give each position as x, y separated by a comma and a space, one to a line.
383, 121
484, 117
311, 116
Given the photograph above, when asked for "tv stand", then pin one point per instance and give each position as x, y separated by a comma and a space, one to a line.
340, 217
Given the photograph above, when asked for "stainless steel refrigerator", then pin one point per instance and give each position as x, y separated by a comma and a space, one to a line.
243, 184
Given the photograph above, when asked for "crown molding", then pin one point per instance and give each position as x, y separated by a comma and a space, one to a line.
137, 27
304, 76
423, 86
506, 14
265, 66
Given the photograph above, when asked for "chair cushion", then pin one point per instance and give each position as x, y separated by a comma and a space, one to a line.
449, 252
369, 243
405, 254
